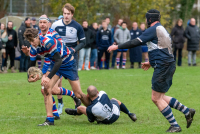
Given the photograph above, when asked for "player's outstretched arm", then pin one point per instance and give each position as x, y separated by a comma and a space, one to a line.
127, 45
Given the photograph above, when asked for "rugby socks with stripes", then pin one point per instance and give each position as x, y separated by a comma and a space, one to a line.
117, 61
39, 64
174, 103
50, 118
55, 111
124, 63
60, 101
64, 91
167, 112
124, 109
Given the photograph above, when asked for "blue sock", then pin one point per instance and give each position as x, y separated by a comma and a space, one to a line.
124, 109
55, 111
50, 118
167, 112
174, 103
64, 91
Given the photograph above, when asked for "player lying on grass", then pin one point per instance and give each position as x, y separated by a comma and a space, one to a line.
102, 109
62, 64
162, 60
35, 74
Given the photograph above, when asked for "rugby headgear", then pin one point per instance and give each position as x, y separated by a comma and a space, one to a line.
152, 16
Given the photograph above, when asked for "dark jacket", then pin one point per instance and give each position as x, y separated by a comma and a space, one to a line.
11, 43
89, 37
21, 38
136, 52
36, 27
104, 39
192, 34
93, 43
178, 38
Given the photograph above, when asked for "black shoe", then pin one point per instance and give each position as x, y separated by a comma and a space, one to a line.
77, 101
189, 117
133, 117
56, 117
195, 64
189, 64
71, 111
174, 129
46, 123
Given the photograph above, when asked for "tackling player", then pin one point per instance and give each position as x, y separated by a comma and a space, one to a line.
162, 60
62, 64
102, 109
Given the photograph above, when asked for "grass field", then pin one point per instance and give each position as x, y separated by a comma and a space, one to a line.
22, 107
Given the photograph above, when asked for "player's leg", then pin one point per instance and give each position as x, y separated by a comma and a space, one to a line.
55, 111
124, 59
79, 111
157, 98
60, 100
124, 109
174, 103
78, 92
118, 59
49, 102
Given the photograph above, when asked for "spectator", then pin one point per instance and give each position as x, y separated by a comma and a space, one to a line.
114, 29
178, 39
144, 46
10, 47
104, 40
85, 52
4, 40
136, 52
33, 22
24, 59
192, 34
108, 22
93, 57
121, 36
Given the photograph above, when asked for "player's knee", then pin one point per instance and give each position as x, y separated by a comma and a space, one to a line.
78, 95
42, 91
154, 99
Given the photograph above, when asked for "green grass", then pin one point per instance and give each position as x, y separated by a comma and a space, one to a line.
22, 106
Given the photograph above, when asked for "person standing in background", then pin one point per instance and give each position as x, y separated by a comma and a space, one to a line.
24, 60
193, 36
108, 22
4, 40
85, 52
10, 46
136, 52
178, 39
121, 36
33, 22
104, 40
144, 46
114, 29
93, 57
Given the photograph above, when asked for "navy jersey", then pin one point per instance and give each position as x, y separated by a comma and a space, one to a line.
48, 47
159, 45
70, 33
102, 110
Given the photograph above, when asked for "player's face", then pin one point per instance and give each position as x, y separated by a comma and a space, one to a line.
67, 15
36, 42
124, 26
43, 25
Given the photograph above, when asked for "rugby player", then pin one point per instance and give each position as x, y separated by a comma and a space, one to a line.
162, 60
62, 64
102, 109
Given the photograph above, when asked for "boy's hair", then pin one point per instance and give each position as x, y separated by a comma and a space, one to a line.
30, 34
34, 71
69, 7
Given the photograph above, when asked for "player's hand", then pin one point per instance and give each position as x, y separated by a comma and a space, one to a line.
112, 48
72, 51
45, 82
31, 78
146, 66
25, 50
